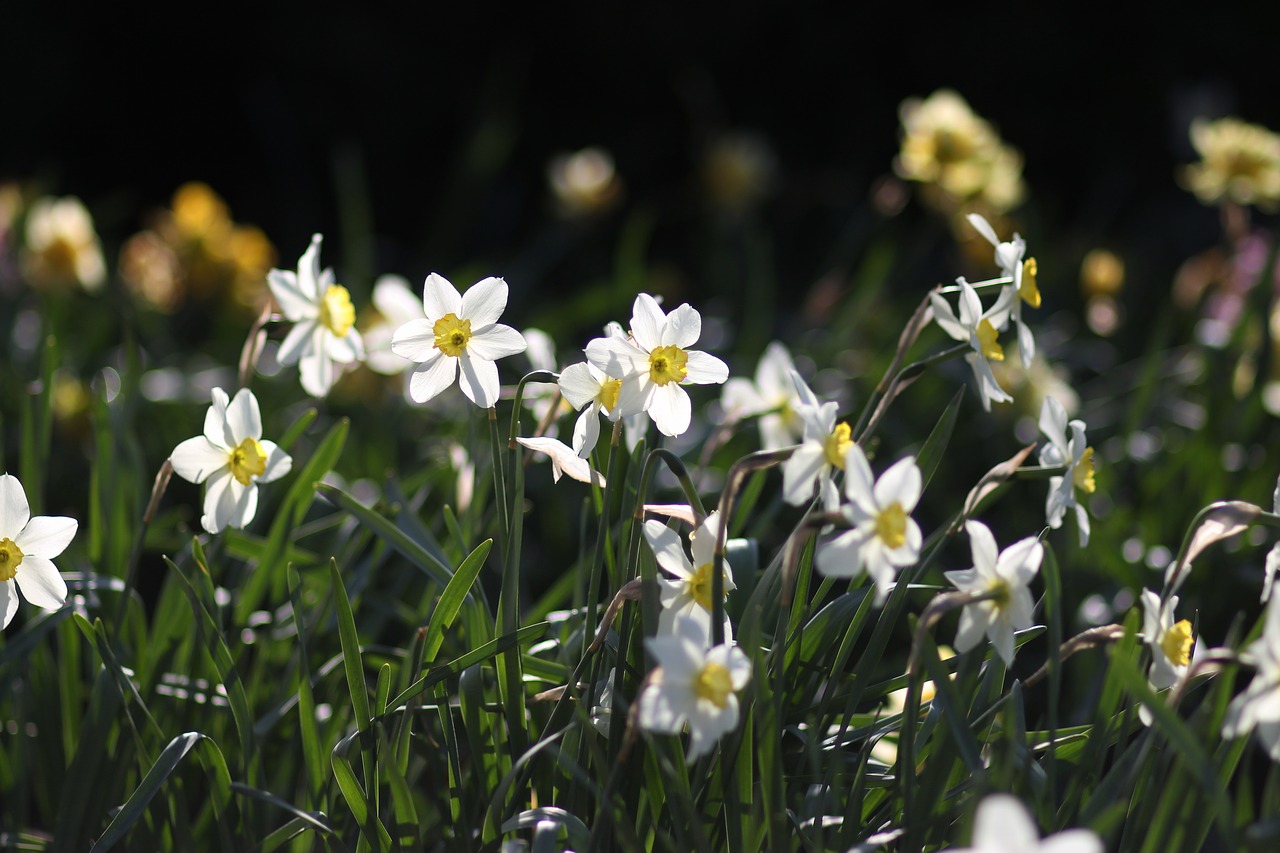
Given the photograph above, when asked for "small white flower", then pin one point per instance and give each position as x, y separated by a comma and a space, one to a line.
324, 339
61, 245
1073, 453
656, 361
397, 305
1022, 276
586, 387
1003, 825
231, 459
694, 686
772, 396
883, 537
27, 548
820, 455
979, 329
1005, 575
461, 334
1258, 707
689, 596
1170, 642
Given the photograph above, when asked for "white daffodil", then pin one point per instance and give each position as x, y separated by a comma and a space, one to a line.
820, 455
1005, 576
27, 548
689, 596
61, 245
772, 396
693, 685
656, 360
1258, 707
979, 329
1003, 825
1076, 456
586, 387
461, 334
1022, 276
396, 304
883, 537
323, 339
231, 459
1170, 642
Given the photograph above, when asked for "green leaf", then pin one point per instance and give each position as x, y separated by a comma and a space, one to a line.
455, 592
394, 536
935, 446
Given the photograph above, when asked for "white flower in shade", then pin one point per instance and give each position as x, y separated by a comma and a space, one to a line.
231, 459
883, 537
1003, 825
1077, 456
61, 245
656, 360
689, 596
396, 304
693, 685
586, 387
1005, 576
1258, 707
27, 548
1170, 642
979, 329
461, 334
323, 339
820, 455
1022, 276
772, 396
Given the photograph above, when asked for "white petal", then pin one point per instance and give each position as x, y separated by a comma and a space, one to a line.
395, 300
432, 377
705, 369
983, 546
1082, 522
1053, 423
439, 297
900, 484
1026, 345
244, 419
295, 304
773, 373
973, 626
671, 409
1001, 635
658, 711
479, 380
195, 459
586, 431
1021, 560
702, 545
683, 327
14, 510
800, 471
707, 724
617, 358
484, 302
634, 398
647, 321
983, 227
415, 340
563, 460
495, 342
859, 483
229, 504
579, 385
946, 318
296, 343
215, 420
842, 557
317, 373
46, 536
344, 350
278, 463
218, 485
8, 602
970, 306
309, 275
667, 549
41, 583
1002, 823
741, 399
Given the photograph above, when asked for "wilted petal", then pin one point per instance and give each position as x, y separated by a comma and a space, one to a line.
563, 460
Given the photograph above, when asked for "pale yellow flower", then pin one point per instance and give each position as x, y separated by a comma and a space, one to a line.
61, 246
1240, 162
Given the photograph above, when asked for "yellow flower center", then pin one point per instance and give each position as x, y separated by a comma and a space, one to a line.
337, 314
1083, 473
699, 585
248, 461
609, 391
891, 525
60, 257
987, 335
1027, 290
999, 591
1177, 642
668, 364
713, 684
837, 444
10, 558
452, 335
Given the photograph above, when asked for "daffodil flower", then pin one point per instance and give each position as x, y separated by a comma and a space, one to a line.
1258, 707
689, 595
1004, 576
883, 536
61, 245
1022, 281
980, 330
771, 396
27, 548
587, 388
1170, 642
231, 459
460, 335
324, 338
820, 455
656, 361
1003, 825
695, 686
396, 304
1078, 459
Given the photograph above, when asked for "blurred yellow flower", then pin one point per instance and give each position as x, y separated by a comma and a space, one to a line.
1240, 162
61, 246
1101, 274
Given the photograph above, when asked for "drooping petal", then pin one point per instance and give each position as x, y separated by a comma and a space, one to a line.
704, 369
671, 409
41, 583
440, 297
586, 431
683, 327
244, 419
196, 459
278, 462
8, 602
667, 549
1026, 345
563, 460
647, 322
484, 302
46, 536
479, 380
983, 227
495, 342
14, 510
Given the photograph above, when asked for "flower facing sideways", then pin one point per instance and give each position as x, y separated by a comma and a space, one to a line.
27, 548
460, 335
688, 597
820, 455
1170, 642
1258, 707
231, 459
587, 388
1003, 576
1022, 281
324, 338
980, 330
772, 396
1078, 459
1003, 825
693, 685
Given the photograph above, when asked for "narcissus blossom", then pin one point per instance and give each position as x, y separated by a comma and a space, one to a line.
772, 396
324, 339
1005, 575
62, 247
587, 388
980, 330
27, 548
1170, 642
460, 335
231, 459
1258, 707
689, 595
820, 455
1022, 281
1078, 459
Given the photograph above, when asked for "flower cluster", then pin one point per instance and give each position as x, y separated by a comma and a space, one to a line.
1239, 162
